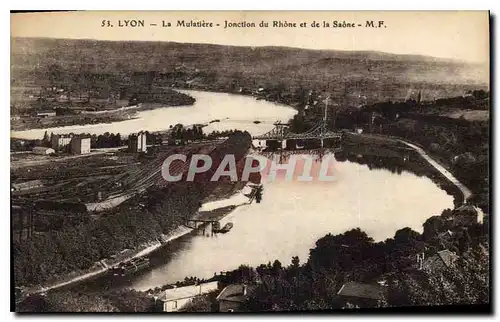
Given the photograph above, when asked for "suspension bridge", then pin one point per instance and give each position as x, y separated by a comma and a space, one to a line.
281, 133
319, 131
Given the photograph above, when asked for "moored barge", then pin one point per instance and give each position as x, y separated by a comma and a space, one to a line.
131, 267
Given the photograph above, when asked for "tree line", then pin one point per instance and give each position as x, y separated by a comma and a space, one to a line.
354, 256
314, 284
79, 247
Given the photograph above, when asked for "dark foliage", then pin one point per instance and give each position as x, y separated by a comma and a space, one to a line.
77, 247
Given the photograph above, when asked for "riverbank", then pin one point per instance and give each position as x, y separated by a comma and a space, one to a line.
105, 265
370, 138
102, 267
33, 123
168, 98
222, 112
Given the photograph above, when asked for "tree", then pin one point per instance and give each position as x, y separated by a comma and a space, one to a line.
66, 301
258, 194
432, 227
132, 301
480, 94
406, 236
118, 140
46, 139
203, 303
34, 303
276, 267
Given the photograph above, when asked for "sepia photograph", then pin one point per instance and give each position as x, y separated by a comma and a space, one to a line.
250, 161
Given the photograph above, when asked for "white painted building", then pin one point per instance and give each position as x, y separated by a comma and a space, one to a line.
137, 143
80, 145
176, 298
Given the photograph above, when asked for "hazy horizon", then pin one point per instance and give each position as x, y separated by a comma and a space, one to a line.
386, 53
461, 36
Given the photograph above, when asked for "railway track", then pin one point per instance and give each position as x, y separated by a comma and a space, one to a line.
124, 181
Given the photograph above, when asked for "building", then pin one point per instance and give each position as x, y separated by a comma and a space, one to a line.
137, 142
43, 150
80, 145
362, 295
59, 141
62, 97
46, 114
233, 297
27, 185
466, 215
441, 261
174, 299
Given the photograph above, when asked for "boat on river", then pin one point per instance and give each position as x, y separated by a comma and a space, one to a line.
131, 267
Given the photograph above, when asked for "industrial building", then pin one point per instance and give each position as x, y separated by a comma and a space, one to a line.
43, 150
80, 145
46, 114
59, 141
137, 142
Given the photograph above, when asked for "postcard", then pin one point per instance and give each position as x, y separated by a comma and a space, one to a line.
250, 161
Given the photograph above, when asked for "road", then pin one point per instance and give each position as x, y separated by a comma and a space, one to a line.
463, 189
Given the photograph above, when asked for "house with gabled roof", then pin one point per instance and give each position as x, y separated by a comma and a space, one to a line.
444, 259
175, 298
233, 297
356, 294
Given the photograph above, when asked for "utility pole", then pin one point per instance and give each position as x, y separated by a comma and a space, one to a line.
326, 109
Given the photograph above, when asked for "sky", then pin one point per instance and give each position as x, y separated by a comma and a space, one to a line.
460, 35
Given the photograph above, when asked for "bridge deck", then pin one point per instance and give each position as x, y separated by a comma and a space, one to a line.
317, 132
213, 215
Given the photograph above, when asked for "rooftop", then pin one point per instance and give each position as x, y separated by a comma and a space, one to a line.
42, 148
185, 291
63, 135
467, 208
235, 292
447, 257
366, 291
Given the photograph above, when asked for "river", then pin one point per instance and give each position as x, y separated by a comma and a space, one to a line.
233, 111
292, 215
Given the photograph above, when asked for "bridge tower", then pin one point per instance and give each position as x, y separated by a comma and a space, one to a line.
323, 126
281, 129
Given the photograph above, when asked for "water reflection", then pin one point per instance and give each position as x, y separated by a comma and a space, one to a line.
370, 192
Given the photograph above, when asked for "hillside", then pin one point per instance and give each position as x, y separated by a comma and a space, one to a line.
374, 74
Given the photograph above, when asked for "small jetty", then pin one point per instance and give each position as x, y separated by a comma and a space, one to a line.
203, 218
212, 218
208, 217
